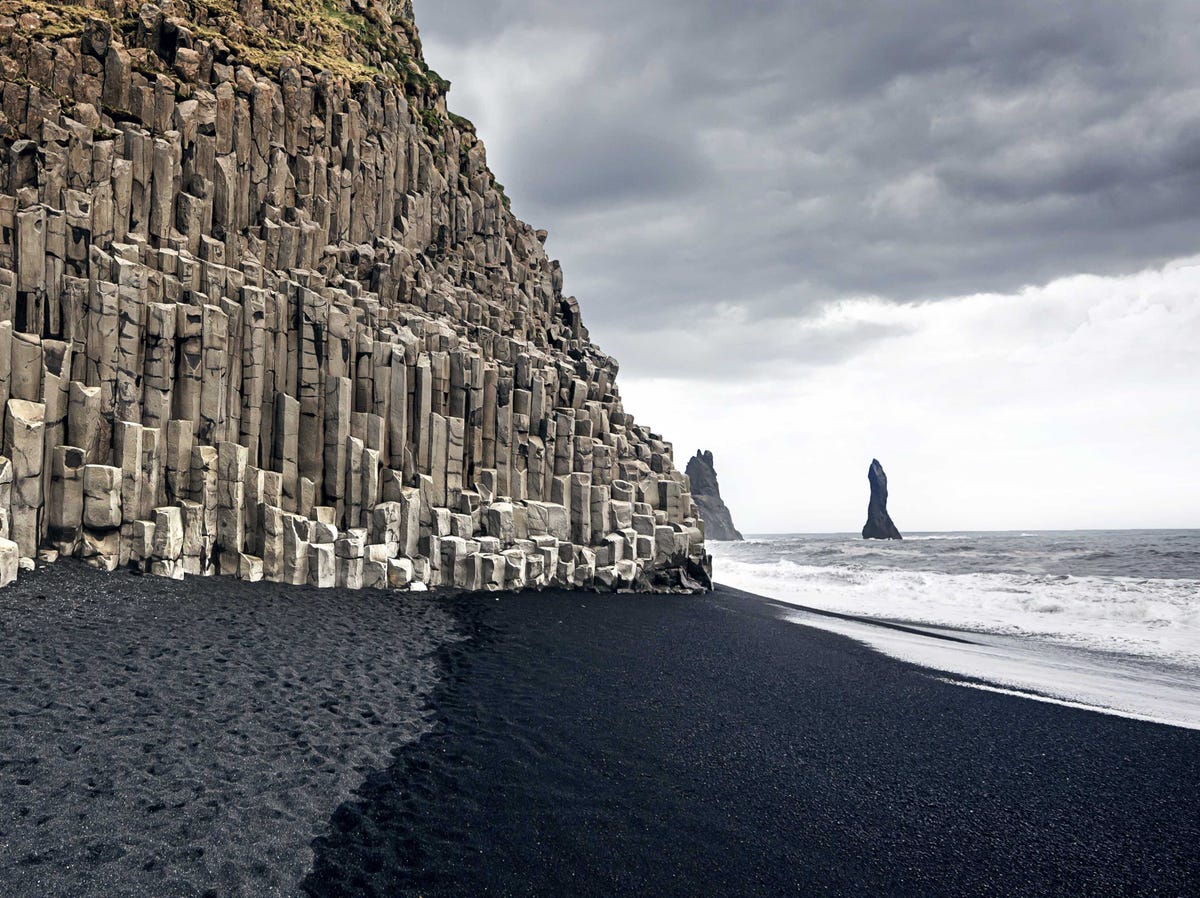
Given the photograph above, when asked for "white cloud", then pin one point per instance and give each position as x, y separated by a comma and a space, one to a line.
1072, 405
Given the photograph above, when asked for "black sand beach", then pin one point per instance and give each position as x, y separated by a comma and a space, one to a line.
681, 746
163, 738
191, 739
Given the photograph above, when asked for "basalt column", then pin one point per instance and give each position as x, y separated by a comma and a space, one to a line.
265, 313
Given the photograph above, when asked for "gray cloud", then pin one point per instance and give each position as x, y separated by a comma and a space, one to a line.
632, 164
779, 155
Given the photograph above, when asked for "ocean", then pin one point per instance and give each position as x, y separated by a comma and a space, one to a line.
1134, 593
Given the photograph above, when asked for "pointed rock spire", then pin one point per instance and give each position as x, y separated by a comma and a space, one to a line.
879, 523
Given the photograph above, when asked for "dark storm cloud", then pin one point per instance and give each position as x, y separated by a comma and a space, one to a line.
630, 164
776, 156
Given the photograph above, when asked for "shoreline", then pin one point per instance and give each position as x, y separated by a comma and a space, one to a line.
1125, 592
1106, 682
542, 744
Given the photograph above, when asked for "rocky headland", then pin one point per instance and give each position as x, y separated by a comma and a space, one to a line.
718, 522
265, 312
879, 523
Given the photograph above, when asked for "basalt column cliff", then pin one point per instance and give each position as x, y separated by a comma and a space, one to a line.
264, 312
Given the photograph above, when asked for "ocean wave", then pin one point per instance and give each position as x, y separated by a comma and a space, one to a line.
828, 552
1162, 555
1154, 618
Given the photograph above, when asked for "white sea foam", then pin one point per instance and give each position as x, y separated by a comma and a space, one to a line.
1123, 685
1145, 617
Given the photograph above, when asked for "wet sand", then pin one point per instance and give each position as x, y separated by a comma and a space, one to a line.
1149, 689
214, 738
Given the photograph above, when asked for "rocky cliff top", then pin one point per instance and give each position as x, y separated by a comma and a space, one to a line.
298, 86
364, 39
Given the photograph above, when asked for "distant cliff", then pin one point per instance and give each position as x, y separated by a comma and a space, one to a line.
718, 523
879, 523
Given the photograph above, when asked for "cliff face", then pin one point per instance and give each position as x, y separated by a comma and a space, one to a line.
718, 522
879, 523
264, 312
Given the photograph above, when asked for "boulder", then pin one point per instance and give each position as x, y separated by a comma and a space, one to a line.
10, 556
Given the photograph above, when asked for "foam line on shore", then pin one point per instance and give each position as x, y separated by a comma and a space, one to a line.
1038, 697
1105, 682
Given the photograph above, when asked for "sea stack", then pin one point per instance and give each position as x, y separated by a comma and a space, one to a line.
718, 523
879, 523
265, 312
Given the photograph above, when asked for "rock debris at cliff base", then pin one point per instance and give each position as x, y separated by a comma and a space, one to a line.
271, 319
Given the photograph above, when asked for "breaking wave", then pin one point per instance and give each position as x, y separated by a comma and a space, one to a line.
1151, 617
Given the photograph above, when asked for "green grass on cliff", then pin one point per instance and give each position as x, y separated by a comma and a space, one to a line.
327, 36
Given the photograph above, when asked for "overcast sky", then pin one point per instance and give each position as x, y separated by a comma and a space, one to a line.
954, 236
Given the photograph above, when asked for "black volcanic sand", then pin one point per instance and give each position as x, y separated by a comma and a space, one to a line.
174, 739
680, 747
180, 739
